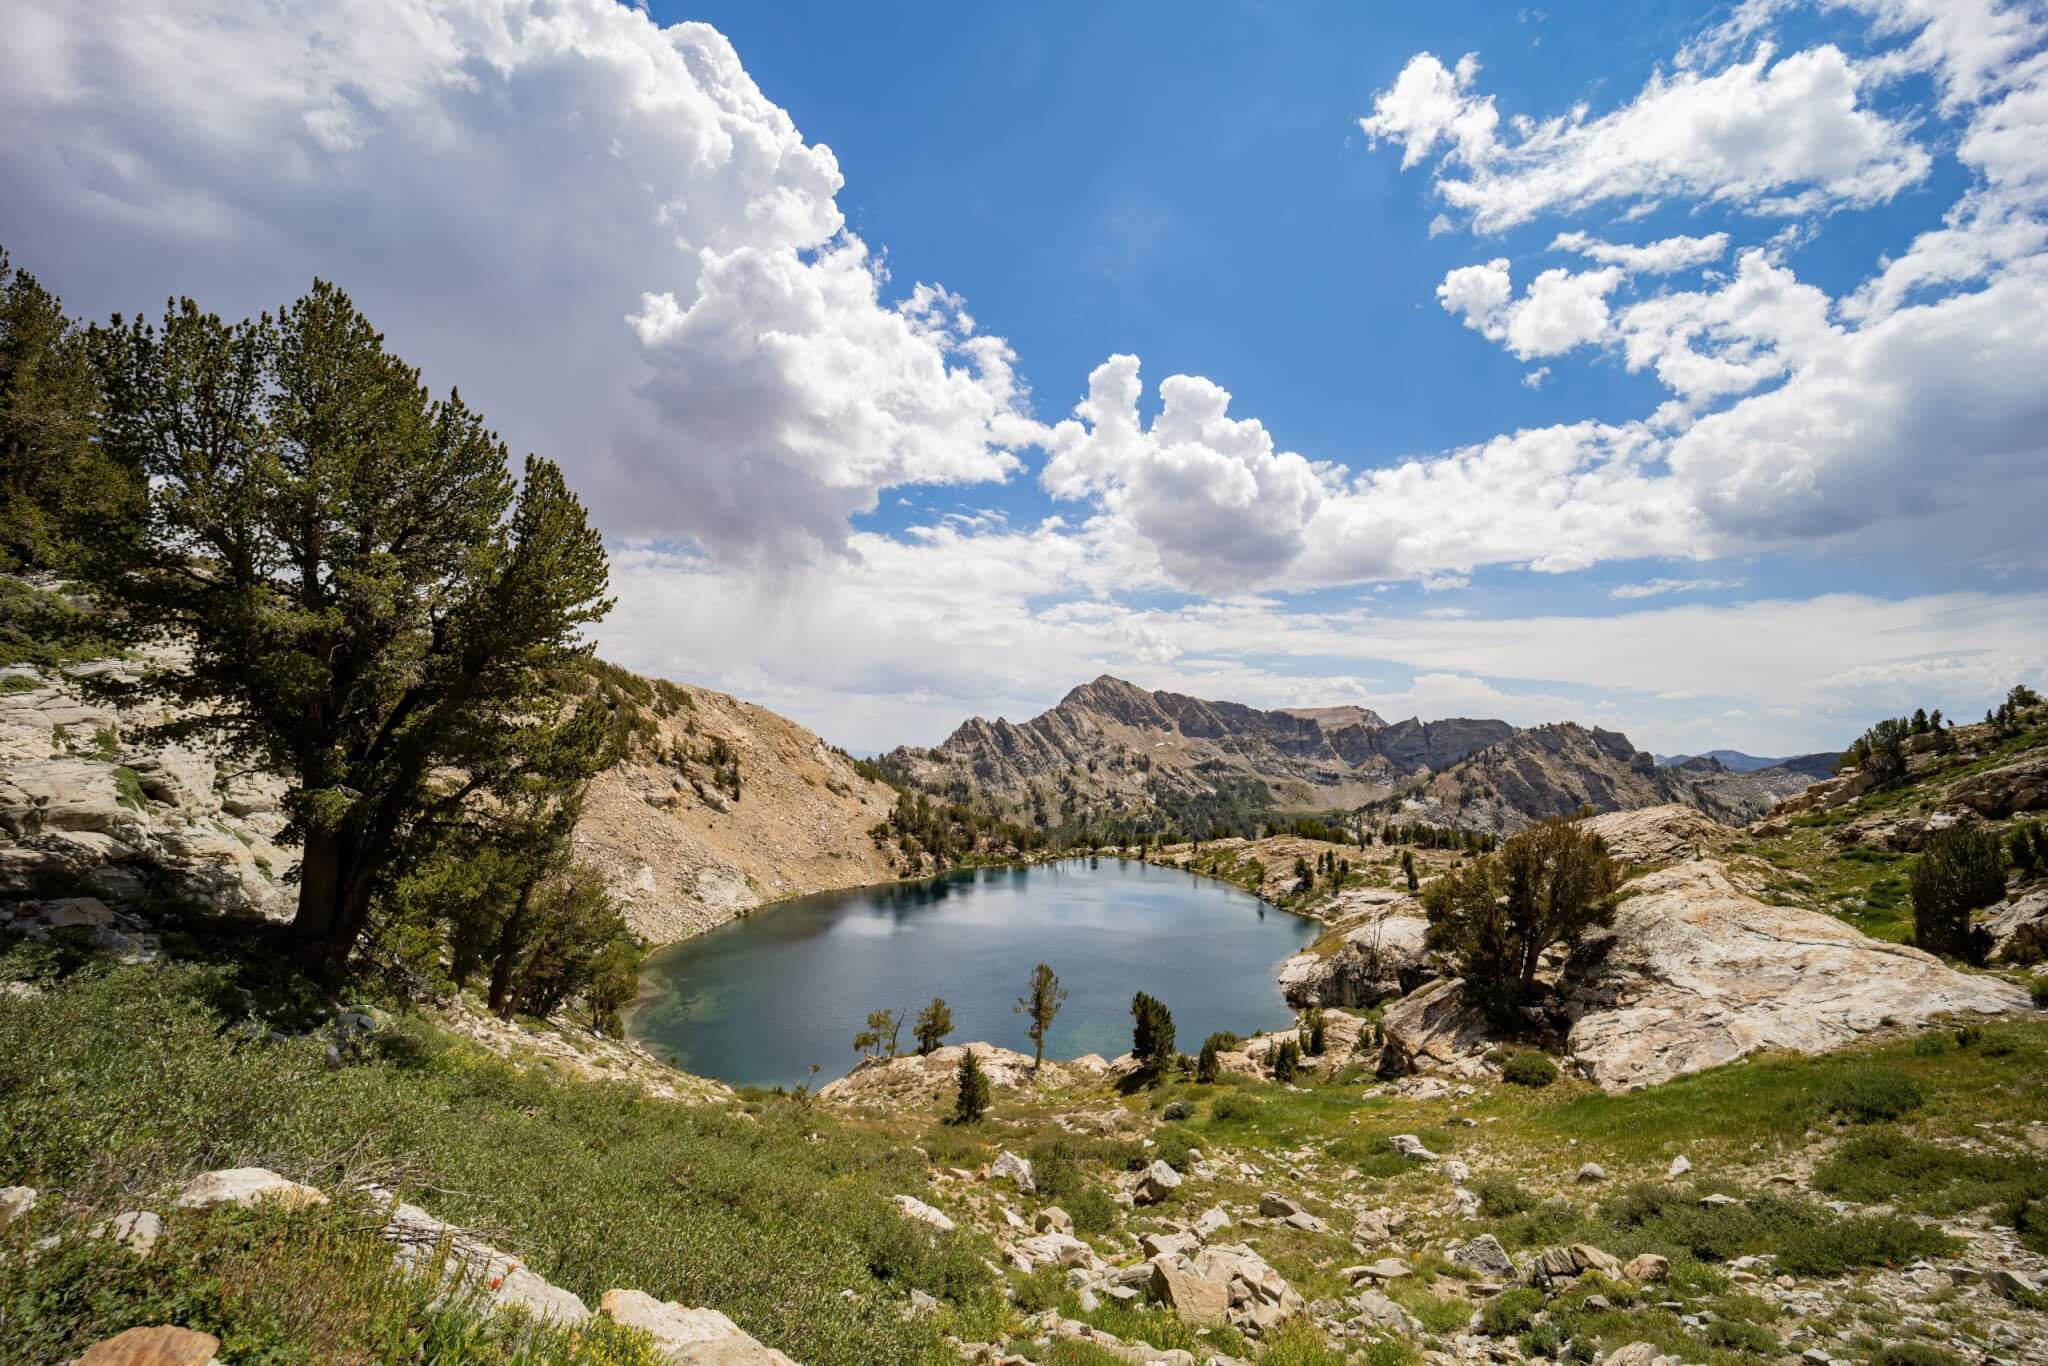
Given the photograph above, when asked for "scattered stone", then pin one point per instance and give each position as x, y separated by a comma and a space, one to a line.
159, 1346
1277, 1206
426, 1242
1718, 1200
1647, 1269
1592, 1171
245, 1186
15, 1201
1385, 1269
77, 910
1160, 1180
1557, 1263
1457, 1171
1680, 1165
1484, 1255
1193, 1297
1014, 1168
1052, 1219
137, 1229
1408, 1145
1169, 1244
1212, 1222
914, 1208
1175, 1110
1382, 1312
2010, 1284
1375, 1227
1635, 1354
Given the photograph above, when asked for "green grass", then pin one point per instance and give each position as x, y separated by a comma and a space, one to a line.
117, 1083
280, 1286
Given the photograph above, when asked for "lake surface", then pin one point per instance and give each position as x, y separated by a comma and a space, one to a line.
756, 1001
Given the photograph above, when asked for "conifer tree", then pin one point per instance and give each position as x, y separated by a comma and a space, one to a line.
372, 605
1040, 1003
934, 1023
971, 1103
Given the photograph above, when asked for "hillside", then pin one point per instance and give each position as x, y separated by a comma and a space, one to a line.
724, 806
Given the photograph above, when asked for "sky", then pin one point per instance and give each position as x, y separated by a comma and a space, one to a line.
1682, 370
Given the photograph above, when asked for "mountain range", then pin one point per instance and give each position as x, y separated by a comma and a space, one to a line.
1112, 745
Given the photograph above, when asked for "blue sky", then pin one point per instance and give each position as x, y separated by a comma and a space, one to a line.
1671, 368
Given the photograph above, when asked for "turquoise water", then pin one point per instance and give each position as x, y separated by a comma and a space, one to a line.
757, 1001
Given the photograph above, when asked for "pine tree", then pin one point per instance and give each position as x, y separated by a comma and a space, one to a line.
1208, 1066
1408, 869
372, 605
1286, 1060
972, 1101
1961, 869
1040, 1003
1498, 913
934, 1023
1151, 1032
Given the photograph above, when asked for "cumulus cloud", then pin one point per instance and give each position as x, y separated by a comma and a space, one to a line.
1209, 493
1771, 137
699, 338
1558, 310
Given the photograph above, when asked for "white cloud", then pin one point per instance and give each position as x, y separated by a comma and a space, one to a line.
1780, 137
1557, 311
1534, 379
1560, 310
1663, 257
1706, 345
1207, 492
1657, 588
905, 640
478, 171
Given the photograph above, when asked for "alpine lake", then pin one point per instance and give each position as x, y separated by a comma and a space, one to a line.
755, 1002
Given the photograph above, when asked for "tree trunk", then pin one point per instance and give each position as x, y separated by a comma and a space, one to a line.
506, 954
336, 884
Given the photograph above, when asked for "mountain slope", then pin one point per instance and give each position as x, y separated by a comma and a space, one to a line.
1113, 747
1553, 770
1111, 741
723, 807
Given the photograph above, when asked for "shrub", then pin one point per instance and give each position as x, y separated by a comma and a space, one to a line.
1743, 1337
1865, 1095
1091, 1209
1510, 1311
1286, 1061
1233, 1108
1913, 1354
2038, 990
1529, 1068
1312, 1031
1171, 1145
1893, 1168
1208, 1066
1500, 1197
1962, 869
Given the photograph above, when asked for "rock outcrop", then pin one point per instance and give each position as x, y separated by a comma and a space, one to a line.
1377, 961
1694, 974
915, 1079
83, 806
